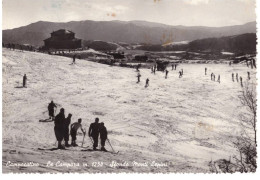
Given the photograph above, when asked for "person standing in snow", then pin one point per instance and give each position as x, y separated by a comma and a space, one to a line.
180, 75
73, 131
66, 130
154, 69
248, 75
241, 81
147, 82
218, 78
51, 107
74, 59
205, 71
24, 80
94, 132
237, 76
103, 136
59, 127
138, 77
166, 73
211, 76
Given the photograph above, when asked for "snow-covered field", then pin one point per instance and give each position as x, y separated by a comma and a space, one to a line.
182, 122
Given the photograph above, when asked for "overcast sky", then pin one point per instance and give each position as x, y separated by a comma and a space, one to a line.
18, 13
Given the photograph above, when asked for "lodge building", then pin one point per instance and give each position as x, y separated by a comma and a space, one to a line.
62, 39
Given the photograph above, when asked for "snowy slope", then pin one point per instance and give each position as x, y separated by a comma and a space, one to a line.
183, 122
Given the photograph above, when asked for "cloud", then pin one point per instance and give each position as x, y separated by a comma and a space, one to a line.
196, 2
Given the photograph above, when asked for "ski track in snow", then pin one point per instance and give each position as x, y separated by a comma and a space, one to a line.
185, 122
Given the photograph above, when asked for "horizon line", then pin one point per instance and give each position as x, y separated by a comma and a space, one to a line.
130, 21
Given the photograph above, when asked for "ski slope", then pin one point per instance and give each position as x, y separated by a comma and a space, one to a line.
183, 122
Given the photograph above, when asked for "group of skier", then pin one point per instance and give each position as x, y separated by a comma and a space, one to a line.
63, 130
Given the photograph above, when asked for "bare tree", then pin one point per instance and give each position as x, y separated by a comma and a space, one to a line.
246, 144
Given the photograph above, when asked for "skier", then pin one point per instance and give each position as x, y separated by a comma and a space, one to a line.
59, 127
248, 75
103, 136
251, 64
24, 80
172, 66
147, 82
211, 76
180, 75
74, 59
94, 132
154, 69
51, 107
233, 77
73, 131
138, 77
66, 130
218, 78
237, 76
254, 64
205, 71
166, 73
241, 81
181, 72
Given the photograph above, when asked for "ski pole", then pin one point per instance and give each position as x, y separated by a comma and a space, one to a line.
83, 138
83, 141
91, 140
110, 145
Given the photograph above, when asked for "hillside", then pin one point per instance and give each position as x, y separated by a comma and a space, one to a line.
183, 122
120, 31
243, 43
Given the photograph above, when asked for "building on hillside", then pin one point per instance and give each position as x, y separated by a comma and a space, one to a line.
62, 39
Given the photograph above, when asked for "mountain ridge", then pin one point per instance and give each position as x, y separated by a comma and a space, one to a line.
121, 31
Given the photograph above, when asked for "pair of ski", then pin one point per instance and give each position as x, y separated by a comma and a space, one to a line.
113, 152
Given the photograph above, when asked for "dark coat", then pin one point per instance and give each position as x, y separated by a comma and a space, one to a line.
93, 129
59, 121
103, 132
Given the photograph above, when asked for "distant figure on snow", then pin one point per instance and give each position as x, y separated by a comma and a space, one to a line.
205, 71
138, 77
59, 127
172, 66
211, 76
51, 107
241, 81
233, 77
147, 82
154, 69
74, 59
94, 132
248, 75
73, 131
180, 74
24, 80
237, 76
103, 136
66, 130
229, 63
166, 73
218, 78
